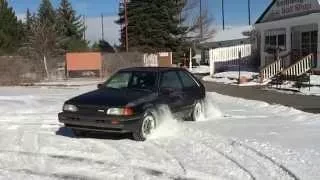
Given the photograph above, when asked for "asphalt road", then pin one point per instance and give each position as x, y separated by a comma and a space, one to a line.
302, 102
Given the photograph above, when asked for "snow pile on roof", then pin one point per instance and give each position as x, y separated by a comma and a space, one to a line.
232, 33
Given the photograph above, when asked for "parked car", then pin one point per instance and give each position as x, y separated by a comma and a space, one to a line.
128, 101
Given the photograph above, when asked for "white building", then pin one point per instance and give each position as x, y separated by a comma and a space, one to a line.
290, 29
224, 47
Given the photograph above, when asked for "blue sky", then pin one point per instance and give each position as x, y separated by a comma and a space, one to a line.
235, 13
235, 10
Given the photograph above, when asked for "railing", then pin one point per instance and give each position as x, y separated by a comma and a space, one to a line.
300, 67
271, 70
275, 67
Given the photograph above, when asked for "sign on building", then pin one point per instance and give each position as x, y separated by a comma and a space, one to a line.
281, 9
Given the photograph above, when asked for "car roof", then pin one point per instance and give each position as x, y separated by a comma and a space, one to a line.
152, 69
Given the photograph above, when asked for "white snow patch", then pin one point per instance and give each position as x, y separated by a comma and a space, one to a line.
231, 77
168, 126
202, 69
228, 34
71, 82
36, 146
290, 85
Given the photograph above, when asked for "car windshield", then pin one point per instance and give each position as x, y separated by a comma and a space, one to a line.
140, 80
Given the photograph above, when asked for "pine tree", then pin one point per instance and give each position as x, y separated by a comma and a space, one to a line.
10, 29
154, 25
46, 13
121, 22
28, 20
71, 26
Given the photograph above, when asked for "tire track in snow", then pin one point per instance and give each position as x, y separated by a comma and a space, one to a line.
147, 170
259, 154
224, 155
171, 156
66, 176
282, 167
237, 163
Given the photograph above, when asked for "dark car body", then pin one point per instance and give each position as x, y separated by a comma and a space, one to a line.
179, 94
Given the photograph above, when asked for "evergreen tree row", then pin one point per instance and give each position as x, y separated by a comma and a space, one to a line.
155, 25
52, 29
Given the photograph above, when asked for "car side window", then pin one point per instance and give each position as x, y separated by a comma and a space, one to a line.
170, 79
187, 81
119, 80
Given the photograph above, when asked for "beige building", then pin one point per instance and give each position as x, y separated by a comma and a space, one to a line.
289, 28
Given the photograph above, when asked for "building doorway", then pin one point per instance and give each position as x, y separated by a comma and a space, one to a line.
304, 41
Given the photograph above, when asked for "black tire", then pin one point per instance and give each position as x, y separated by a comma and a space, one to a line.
145, 130
79, 133
197, 111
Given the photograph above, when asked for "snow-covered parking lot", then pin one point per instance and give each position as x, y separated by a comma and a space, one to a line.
241, 139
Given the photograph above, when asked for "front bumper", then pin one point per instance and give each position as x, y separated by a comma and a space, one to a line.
100, 123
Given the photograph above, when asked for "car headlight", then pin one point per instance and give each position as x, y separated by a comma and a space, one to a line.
70, 108
120, 111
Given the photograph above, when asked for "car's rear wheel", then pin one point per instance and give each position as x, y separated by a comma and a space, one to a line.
197, 112
148, 126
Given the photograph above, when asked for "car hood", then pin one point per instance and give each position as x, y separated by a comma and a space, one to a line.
111, 97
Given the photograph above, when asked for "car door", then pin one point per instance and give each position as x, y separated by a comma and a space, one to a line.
170, 90
191, 90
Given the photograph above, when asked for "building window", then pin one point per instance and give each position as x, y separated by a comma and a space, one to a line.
273, 42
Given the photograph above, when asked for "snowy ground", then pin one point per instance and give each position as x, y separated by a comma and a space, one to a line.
202, 69
70, 82
231, 77
240, 139
290, 85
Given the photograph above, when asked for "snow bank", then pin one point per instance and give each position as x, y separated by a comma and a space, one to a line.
201, 69
231, 77
70, 82
290, 88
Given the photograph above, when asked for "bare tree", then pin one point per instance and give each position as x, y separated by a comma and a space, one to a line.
43, 43
200, 22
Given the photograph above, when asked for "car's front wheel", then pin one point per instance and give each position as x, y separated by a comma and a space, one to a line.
148, 126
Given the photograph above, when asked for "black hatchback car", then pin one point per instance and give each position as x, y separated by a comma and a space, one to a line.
128, 101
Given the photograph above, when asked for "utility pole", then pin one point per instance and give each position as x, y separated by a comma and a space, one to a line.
85, 27
102, 28
222, 2
201, 22
249, 11
126, 24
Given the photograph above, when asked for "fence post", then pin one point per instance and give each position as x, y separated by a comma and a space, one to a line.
211, 62
239, 63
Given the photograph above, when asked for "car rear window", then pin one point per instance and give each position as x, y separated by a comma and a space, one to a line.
187, 81
170, 79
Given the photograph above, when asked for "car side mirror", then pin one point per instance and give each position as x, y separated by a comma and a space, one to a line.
100, 86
